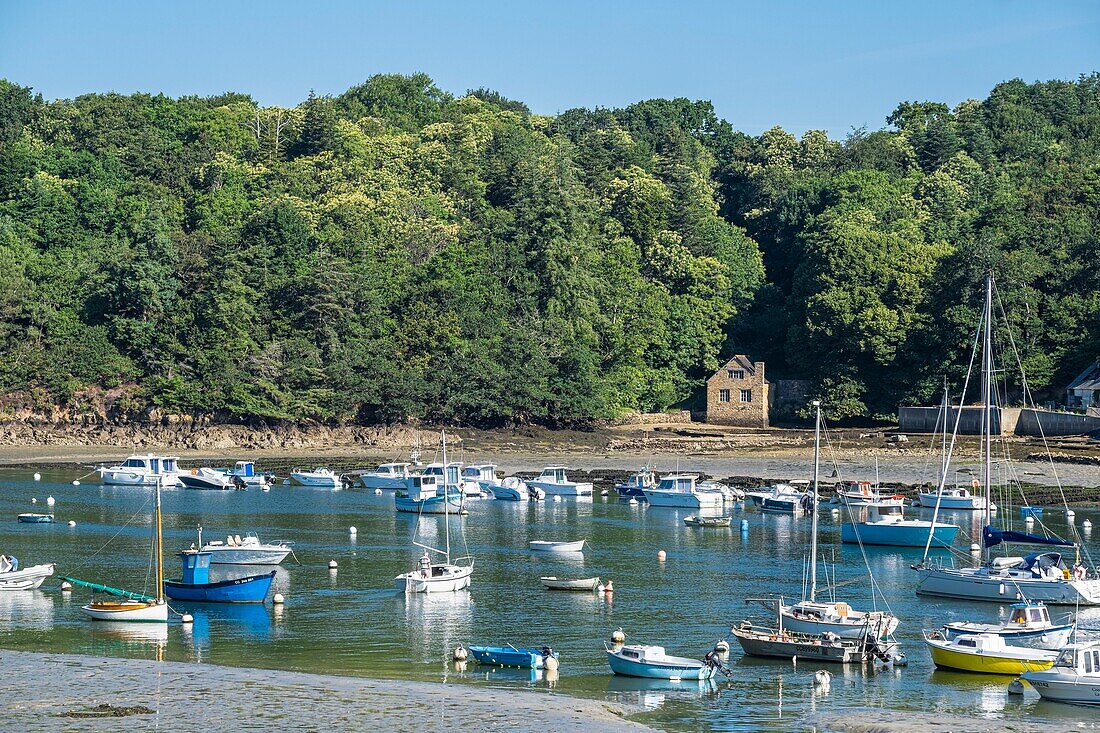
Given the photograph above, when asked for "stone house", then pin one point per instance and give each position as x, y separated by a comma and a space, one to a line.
737, 394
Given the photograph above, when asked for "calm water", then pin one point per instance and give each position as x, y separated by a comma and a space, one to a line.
351, 622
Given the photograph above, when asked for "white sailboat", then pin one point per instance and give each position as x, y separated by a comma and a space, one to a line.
812, 616
444, 577
127, 606
1041, 576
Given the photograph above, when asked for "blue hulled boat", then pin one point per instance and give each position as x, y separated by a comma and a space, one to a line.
196, 585
887, 525
510, 656
30, 518
636, 660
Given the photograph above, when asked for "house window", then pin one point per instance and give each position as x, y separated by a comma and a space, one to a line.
735, 373
746, 395
723, 395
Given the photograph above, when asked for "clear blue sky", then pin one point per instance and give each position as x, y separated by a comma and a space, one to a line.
803, 65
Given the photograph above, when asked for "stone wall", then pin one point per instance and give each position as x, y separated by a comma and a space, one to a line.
923, 420
1055, 423
644, 418
789, 397
733, 411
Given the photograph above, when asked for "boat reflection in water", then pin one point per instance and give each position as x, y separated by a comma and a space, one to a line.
228, 622
653, 694
26, 610
435, 623
129, 634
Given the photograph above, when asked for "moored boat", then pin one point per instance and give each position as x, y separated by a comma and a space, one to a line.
425, 495
479, 479
511, 489
782, 499
554, 482
956, 498
651, 662
680, 490
693, 520
12, 577
546, 546
245, 551
1029, 624
388, 477
142, 470
635, 485
510, 656
582, 584
886, 525
195, 585
864, 493
1073, 678
209, 479
31, 518
321, 478
985, 653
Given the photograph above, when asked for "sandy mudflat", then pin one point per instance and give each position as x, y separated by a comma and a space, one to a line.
40, 688
894, 721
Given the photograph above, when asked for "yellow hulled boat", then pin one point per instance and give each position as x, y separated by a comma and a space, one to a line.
985, 653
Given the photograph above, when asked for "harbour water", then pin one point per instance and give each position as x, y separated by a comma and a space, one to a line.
351, 622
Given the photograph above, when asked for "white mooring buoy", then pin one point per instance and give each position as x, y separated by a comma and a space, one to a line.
378, 492
975, 547
459, 654
76, 483
50, 501
822, 678
66, 586
187, 619
661, 555
353, 530
37, 476
72, 523
617, 636
332, 565
278, 599
34, 500
1016, 687
550, 663
722, 646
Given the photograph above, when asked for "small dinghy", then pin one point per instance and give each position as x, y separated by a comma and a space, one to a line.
14, 578
553, 583
510, 656
692, 520
30, 518
651, 662
544, 546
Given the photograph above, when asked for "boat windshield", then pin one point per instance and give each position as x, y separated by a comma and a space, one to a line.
134, 463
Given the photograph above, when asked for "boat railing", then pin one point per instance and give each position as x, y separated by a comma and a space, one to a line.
937, 563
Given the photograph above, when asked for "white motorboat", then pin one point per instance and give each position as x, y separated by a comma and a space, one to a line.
783, 499
545, 546
245, 551
680, 490
12, 577
635, 485
555, 583
864, 493
454, 479
322, 478
554, 482
479, 479
1028, 625
211, 479
444, 577
388, 477
142, 470
513, 489
1073, 678
956, 498
731, 493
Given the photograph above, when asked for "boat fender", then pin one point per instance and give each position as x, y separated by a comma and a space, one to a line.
607, 588
187, 619
550, 663
722, 646
1016, 687
822, 678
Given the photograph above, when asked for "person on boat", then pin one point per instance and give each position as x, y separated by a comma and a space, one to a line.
425, 564
1080, 572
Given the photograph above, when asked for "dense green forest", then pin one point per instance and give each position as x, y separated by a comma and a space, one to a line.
397, 252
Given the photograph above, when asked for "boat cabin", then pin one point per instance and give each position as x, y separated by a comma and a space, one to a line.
196, 567
1028, 615
392, 470
980, 643
1084, 659
644, 653
152, 463
423, 486
480, 472
884, 513
555, 474
436, 469
683, 482
244, 469
644, 479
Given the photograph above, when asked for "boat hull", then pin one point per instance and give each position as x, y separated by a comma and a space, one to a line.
973, 585
780, 506
127, 612
541, 546
25, 579
659, 671
509, 657
205, 483
984, 663
1054, 637
315, 482
386, 483
507, 493
854, 630
131, 478
551, 488
897, 536
683, 499
775, 646
1059, 686
430, 505
36, 518
246, 555
585, 584
251, 589
954, 503
450, 579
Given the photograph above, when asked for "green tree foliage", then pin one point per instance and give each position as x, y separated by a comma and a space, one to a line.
395, 252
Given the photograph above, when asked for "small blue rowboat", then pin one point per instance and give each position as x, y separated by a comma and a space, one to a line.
36, 518
196, 585
637, 660
1031, 511
510, 656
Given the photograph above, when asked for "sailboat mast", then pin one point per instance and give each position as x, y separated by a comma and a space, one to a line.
446, 497
946, 415
813, 505
159, 548
987, 399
